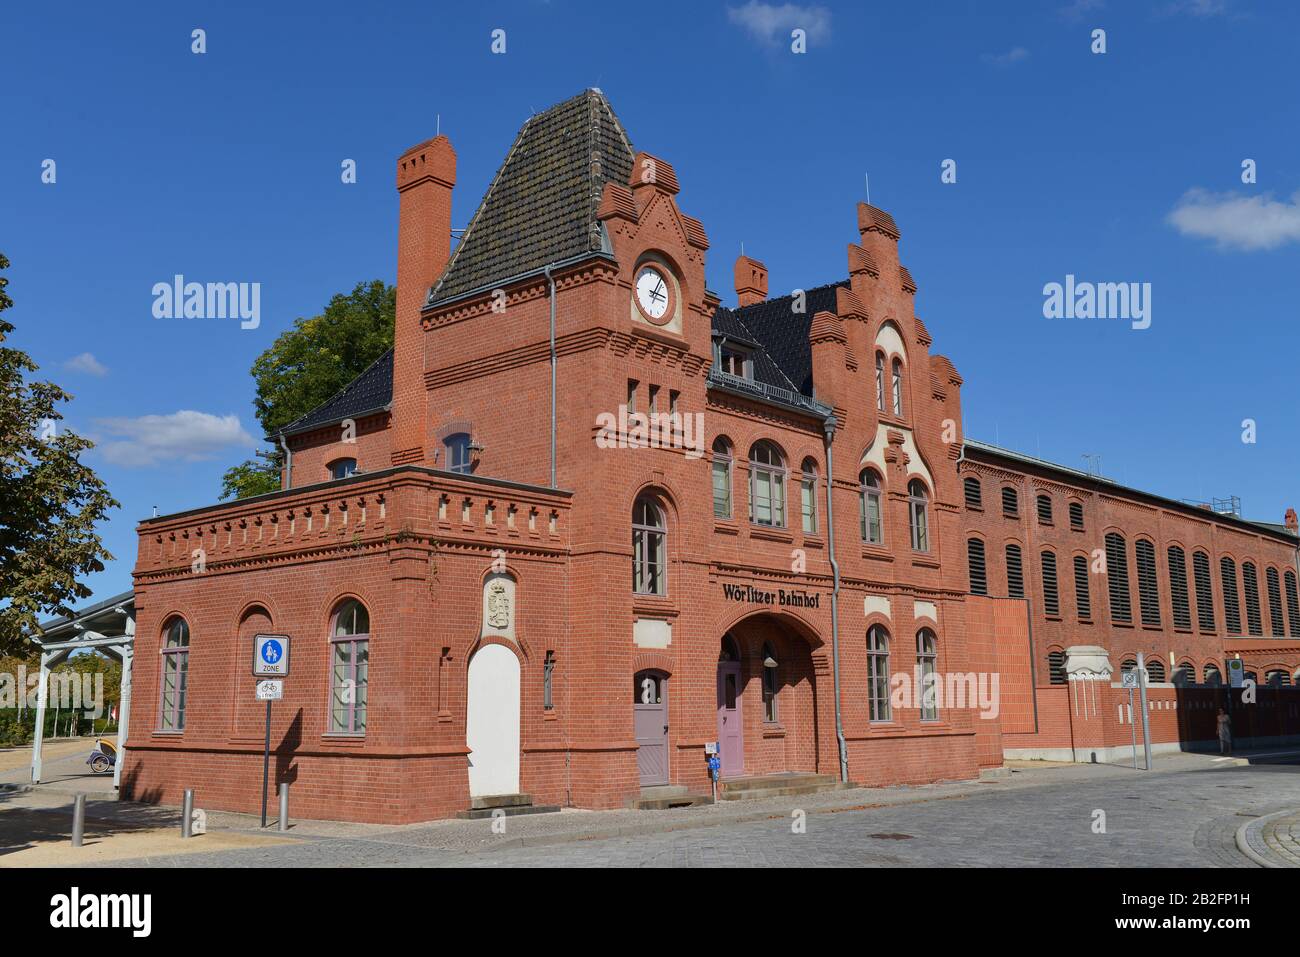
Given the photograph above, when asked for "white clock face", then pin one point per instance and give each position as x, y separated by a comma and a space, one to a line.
652, 292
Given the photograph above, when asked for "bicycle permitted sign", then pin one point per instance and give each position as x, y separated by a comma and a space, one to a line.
270, 656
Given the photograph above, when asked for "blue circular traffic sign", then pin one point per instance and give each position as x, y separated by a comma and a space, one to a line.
272, 651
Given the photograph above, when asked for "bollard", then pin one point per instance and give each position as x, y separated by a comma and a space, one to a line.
187, 814
78, 820
284, 807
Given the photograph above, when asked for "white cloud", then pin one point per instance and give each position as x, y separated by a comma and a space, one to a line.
1076, 10
1014, 55
181, 436
1238, 221
769, 23
87, 363
1197, 8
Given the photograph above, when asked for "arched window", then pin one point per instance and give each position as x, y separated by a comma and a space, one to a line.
1015, 572
1275, 602
1250, 584
1148, 588
1056, 668
897, 385
1044, 503
1010, 502
1185, 674
766, 485
808, 496
350, 668
1213, 676
721, 478
175, 675
1155, 669
927, 657
771, 683
1231, 603
1076, 515
1082, 591
1292, 603
878, 673
977, 567
869, 507
1051, 586
1178, 597
974, 495
1121, 602
918, 519
1204, 591
649, 548
1276, 679
458, 454
880, 381
342, 468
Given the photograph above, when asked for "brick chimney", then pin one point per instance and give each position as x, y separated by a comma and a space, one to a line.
425, 176
751, 281
1292, 523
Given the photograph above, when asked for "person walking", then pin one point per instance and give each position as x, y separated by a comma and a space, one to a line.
1225, 732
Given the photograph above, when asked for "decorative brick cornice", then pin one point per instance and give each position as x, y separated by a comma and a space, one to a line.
861, 261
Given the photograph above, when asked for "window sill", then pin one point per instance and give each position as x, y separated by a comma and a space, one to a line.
351, 738
812, 541
923, 560
1055, 618
771, 534
160, 733
654, 605
773, 730
725, 526
876, 551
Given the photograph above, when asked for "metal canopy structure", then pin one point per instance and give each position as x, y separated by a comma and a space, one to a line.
107, 627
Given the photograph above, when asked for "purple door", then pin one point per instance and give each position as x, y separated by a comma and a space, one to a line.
650, 723
730, 739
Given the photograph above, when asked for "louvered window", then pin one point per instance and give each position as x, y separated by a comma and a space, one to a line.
974, 496
1250, 584
1204, 591
1076, 515
1231, 605
979, 579
1010, 503
1148, 587
1121, 603
1056, 667
1051, 593
1015, 573
1082, 600
1178, 588
1155, 669
1292, 603
1275, 602
1045, 510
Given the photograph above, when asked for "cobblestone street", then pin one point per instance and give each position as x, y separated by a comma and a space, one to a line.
1186, 813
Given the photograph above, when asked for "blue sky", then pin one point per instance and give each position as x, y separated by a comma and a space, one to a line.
1115, 167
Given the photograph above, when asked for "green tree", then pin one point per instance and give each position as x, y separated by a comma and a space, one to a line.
50, 502
309, 364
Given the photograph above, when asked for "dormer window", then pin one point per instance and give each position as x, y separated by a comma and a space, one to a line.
458, 453
735, 361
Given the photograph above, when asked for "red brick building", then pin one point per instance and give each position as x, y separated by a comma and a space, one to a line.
585, 521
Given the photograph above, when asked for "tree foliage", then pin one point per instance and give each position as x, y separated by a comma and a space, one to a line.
50, 502
309, 364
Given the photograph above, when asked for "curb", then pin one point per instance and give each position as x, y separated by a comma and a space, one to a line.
1243, 844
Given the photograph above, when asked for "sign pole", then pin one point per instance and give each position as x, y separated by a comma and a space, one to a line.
1133, 727
1146, 724
266, 760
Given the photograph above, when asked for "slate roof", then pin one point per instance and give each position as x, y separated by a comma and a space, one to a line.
781, 333
372, 391
541, 205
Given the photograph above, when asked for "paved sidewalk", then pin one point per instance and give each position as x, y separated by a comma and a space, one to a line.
1272, 840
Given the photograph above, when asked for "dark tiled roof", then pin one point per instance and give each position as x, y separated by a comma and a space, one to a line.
541, 206
782, 333
369, 392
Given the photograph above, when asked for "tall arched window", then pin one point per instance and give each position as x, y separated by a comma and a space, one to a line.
897, 386
927, 657
458, 454
771, 683
766, 485
869, 507
1185, 674
349, 668
918, 519
878, 673
1231, 602
1121, 603
721, 478
880, 381
649, 548
175, 675
1250, 585
808, 496
1213, 676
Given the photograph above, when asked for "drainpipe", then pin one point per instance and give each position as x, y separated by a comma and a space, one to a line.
829, 427
551, 280
288, 462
